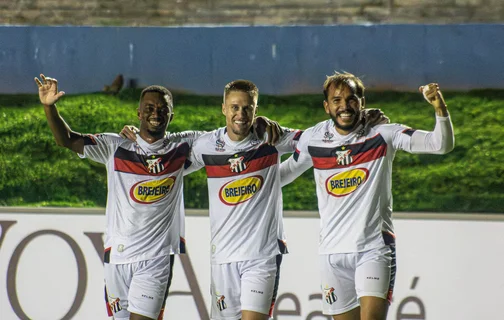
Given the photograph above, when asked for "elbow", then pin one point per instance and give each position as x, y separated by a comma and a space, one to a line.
60, 143
446, 147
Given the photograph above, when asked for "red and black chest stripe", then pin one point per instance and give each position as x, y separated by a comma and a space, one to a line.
348, 155
155, 165
219, 165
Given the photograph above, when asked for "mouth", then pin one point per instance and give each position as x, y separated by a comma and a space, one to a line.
156, 122
345, 115
241, 123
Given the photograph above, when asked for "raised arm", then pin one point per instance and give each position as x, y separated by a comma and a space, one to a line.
441, 140
64, 136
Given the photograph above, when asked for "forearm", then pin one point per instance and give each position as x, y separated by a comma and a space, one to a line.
441, 109
62, 133
439, 141
291, 169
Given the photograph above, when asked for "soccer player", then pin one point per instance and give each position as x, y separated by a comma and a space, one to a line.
144, 201
352, 171
247, 236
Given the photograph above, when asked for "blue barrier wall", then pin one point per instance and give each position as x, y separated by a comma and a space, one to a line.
281, 60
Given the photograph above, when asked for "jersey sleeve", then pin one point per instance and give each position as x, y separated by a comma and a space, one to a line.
299, 162
288, 141
439, 141
100, 147
195, 160
189, 136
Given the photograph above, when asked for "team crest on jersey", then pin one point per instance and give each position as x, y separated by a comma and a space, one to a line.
221, 304
219, 145
114, 304
343, 157
330, 296
237, 164
328, 137
154, 165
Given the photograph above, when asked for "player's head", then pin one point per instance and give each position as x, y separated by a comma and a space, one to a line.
240, 107
344, 100
155, 111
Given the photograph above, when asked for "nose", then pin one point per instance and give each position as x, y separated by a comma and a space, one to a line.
156, 112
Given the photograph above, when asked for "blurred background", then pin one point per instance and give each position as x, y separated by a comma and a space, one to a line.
448, 208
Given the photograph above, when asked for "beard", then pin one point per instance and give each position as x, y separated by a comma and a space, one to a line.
346, 127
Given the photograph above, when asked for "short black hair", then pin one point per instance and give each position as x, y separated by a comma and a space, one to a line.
160, 89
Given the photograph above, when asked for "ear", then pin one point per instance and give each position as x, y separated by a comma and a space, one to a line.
326, 106
223, 109
363, 102
171, 118
255, 113
138, 114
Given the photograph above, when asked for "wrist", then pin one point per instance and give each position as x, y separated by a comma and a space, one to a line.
441, 111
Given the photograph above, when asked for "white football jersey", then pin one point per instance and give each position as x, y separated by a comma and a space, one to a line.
244, 194
353, 177
145, 213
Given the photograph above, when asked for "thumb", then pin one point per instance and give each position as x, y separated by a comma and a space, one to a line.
60, 94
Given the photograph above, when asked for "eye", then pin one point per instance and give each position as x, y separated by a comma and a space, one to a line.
353, 101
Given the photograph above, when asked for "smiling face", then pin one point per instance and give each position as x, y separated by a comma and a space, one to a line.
240, 108
154, 113
344, 106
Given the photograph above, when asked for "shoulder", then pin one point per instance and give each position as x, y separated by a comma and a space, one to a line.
319, 128
103, 138
209, 138
388, 131
390, 127
185, 136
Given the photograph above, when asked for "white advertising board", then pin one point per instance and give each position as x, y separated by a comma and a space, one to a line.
51, 268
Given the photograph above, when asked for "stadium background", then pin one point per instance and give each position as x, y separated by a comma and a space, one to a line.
286, 47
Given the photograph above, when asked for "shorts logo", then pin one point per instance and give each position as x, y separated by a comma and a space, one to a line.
330, 296
237, 164
150, 191
221, 304
343, 157
344, 183
154, 165
238, 191
114, 304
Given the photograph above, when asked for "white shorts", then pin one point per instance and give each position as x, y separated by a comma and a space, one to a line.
348, 276
245, 285
139, 287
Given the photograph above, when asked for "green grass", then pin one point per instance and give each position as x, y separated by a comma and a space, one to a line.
35, 172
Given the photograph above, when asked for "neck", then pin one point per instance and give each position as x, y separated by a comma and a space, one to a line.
236, 137
151, 137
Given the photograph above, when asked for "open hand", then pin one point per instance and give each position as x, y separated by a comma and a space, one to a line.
374, 117
48, 90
